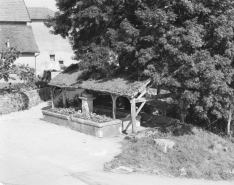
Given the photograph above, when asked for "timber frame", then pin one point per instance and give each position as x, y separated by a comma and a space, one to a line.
134, 110
135, 91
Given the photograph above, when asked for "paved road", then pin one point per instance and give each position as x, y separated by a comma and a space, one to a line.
34, 152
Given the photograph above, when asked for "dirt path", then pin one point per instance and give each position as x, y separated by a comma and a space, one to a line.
34, 152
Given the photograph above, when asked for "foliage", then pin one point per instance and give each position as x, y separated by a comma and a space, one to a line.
78, 114
201, 154
93, 117
64, 111
24, 72
7, 59
41, 84
24, 86
186, 46
17, 87
74, 101
63, 67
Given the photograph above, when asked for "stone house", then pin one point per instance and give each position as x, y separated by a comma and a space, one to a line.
15, 31
54, 50
24, 28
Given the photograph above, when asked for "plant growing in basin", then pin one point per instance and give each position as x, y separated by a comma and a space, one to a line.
64, 111
91, 124
93, 117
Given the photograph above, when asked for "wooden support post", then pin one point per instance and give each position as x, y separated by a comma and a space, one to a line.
139, 109
229, 121
114, 98
64, 98
129, 124
158, 90
133, 114
142, 94
52, 96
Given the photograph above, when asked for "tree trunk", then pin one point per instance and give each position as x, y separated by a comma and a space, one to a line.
229, 121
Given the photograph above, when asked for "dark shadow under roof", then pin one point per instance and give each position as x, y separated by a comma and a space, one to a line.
20, 36
120, 85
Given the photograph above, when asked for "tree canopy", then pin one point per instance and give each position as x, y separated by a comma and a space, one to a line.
185, 46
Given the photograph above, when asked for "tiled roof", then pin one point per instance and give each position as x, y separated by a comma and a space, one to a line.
13, 11
20, 36
40, 13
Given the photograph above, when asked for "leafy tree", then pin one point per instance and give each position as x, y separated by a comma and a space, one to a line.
24, 72
185, 46
7, 58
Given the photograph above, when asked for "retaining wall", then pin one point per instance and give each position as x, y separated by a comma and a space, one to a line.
16, 101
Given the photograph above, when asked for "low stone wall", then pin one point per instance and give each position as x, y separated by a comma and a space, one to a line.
110, 128
22, 100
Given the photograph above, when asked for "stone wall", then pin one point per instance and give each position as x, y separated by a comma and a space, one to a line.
16, 101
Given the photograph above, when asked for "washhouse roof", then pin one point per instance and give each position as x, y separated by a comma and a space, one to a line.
120, 85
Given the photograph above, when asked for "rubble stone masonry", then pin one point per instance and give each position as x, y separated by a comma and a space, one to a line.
17, 101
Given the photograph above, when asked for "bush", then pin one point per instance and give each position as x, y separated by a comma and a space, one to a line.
41, 84
78, 114
93, 117
24, 72
200, 153
24, 86
64, 111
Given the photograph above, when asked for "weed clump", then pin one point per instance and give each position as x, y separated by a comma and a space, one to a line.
196, 154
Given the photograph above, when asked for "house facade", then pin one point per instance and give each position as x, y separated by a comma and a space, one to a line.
24, 28
54, 50
15, 31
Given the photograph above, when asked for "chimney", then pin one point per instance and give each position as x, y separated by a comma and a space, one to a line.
8, 43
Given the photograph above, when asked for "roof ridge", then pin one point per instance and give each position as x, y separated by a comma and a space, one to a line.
14, 11
40, 7
40, 13
27, 11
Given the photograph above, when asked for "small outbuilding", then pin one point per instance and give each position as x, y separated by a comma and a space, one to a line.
116, 86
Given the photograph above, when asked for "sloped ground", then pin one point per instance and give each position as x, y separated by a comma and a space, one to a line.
34, 152
196, 154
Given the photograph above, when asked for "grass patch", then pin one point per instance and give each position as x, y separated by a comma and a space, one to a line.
198, 153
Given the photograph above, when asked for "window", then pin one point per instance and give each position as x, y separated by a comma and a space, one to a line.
52, 57
61, 62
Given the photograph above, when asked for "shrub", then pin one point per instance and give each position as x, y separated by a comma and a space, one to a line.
64, 111
78, 114
24, 72
24, 86
200, 153
93, 117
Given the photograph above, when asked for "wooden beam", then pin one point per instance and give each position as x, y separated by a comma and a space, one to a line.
142, 100
133, 114
153, 98
162, 96
64, 98
158, 90
52, 96
139, 109
114, 98
229, 120
142, 94
129, 124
